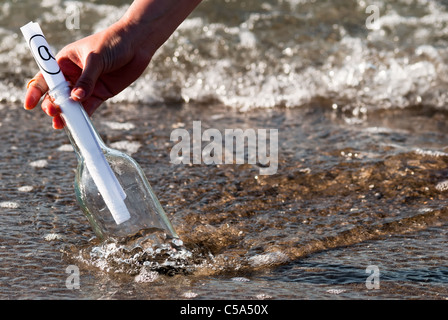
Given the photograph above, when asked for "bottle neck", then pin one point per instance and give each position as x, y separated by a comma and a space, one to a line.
62, 92
95, 134
74, 145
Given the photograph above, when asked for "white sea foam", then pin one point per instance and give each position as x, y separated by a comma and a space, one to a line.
52, 237
189, 295
336, 291
9, 205
129, 147
442, 186
25, 188
119, 125
146, 264
270, 258
66, 148
39, 163
264, 58
146, 276
240, 279
431, 153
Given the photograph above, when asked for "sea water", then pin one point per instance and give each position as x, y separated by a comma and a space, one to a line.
359, 198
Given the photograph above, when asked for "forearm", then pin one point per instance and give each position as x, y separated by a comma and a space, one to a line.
151, 22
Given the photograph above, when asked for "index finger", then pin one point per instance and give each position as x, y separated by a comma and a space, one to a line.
36, 88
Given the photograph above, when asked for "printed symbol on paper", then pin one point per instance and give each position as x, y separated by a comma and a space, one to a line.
39, 47
46, 55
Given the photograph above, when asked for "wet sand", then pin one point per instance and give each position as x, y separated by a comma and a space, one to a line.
351, 191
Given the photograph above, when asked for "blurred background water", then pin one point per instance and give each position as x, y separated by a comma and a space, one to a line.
362, 178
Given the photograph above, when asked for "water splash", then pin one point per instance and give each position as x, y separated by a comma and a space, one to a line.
442, 186
145, 257
236, 62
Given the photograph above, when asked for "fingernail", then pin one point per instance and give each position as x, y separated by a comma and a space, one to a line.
78, 93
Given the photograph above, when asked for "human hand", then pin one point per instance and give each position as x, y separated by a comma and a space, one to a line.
102, 65
99, 66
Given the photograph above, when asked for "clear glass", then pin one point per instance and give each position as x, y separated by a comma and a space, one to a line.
147, 214
148, 220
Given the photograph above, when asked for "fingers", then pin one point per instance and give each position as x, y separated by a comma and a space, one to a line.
82, 91
53, 111
36, 88
49, 107
58, 123
89, 76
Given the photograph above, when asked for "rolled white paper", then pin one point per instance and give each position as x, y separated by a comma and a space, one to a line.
42, 54
78, 123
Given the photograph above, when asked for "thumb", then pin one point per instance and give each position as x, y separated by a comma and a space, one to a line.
89, 76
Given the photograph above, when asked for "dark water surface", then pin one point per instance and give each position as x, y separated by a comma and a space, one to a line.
345, 197
362, 179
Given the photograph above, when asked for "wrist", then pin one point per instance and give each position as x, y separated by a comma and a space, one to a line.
130, 32
150, 23
142, 28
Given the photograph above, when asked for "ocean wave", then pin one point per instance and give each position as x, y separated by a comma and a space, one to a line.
278, 53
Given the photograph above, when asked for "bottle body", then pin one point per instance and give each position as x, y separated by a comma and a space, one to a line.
110, 186
144, 217
147, 216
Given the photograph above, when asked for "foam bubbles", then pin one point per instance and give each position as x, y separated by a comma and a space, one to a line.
39, 163
129, 147
336, 291
240, 279
9, 205
248, 39
189, 295
267, 259
146, 276
263, 58
431, 153
52, 237
25, 188
65, 148
119, 125
442, 186
144, 261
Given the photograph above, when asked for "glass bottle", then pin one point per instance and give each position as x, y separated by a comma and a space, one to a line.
110, 186
148, 220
